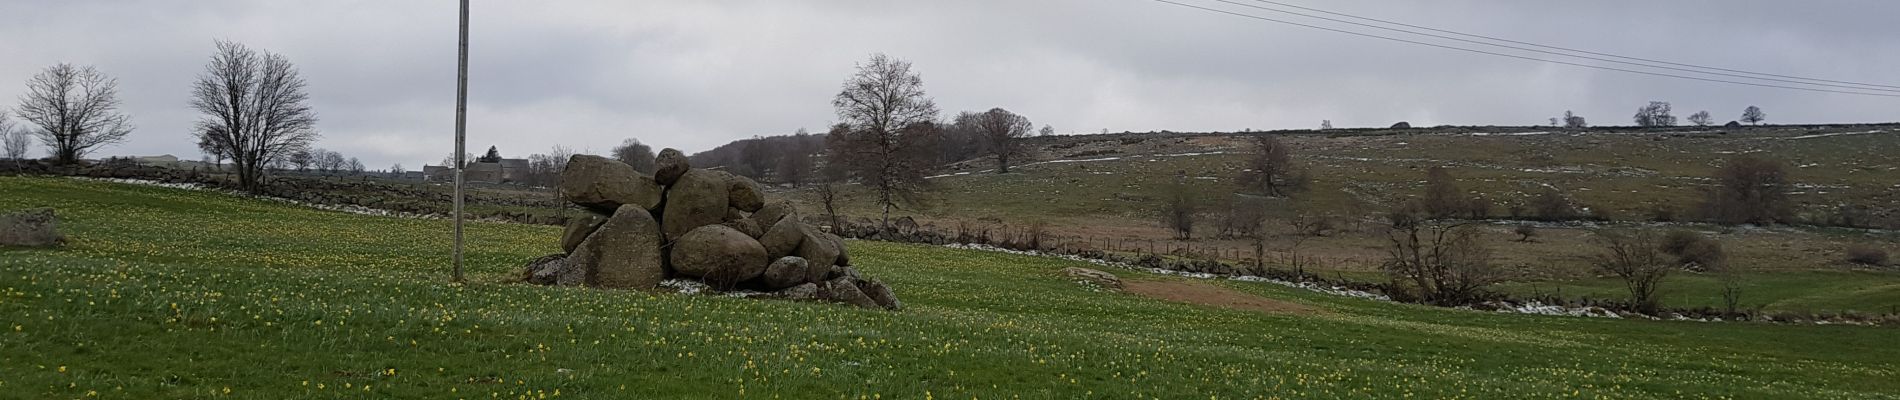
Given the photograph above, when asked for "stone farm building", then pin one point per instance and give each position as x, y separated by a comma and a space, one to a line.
499, 171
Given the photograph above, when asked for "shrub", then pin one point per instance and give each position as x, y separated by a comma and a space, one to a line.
1694, 251
1751, 190
1867, 255
1552, 205
1662, 213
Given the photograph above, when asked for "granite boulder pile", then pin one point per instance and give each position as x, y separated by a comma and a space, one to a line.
695, 224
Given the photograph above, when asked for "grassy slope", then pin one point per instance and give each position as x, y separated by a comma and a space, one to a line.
1786, 270
171, 293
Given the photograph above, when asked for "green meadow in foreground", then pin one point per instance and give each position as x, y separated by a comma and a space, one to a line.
168, 293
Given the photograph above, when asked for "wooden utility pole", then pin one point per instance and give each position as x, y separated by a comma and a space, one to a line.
461, 131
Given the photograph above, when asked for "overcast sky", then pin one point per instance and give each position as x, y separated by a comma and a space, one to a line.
696, 74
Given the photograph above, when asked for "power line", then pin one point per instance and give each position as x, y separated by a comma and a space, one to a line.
1572, 50
1860, 86
1244, 15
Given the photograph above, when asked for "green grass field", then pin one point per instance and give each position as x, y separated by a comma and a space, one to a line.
168, 293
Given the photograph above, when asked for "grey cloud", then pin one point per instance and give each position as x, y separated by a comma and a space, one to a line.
695, 74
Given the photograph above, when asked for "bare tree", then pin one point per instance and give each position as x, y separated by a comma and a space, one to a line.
1270, 168
301, 159
1753, 115
255, 109
635, 154
397, 170
1654, 114
828, 195
1000, 131
1046, 131
1449, 264
1637, 258
1179, 209
76, 110
1701, 118
355, 166
880, 107
13, 140
794, 167
1325, 124
214, 151
328, 161
1574, 121
1750, 190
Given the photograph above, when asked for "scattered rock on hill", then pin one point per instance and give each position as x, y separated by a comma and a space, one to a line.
37, 227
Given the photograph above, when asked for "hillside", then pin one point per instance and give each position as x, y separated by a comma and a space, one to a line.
268, 300
1098, 189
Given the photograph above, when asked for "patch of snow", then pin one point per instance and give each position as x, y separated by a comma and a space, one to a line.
1509, 133
1822, 135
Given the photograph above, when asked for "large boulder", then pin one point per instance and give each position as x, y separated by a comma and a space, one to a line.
669, 166
817, 248
37, 227
792, 238
808, 291
844, 255
603, 184
624, 253
772, 212
719, 255
746, 226
578, 229
698, 199
553, 269
783, 238
845, 290
787, 272
880, 294
745, 194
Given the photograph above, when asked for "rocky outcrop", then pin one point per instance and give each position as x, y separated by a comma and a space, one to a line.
694, 224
